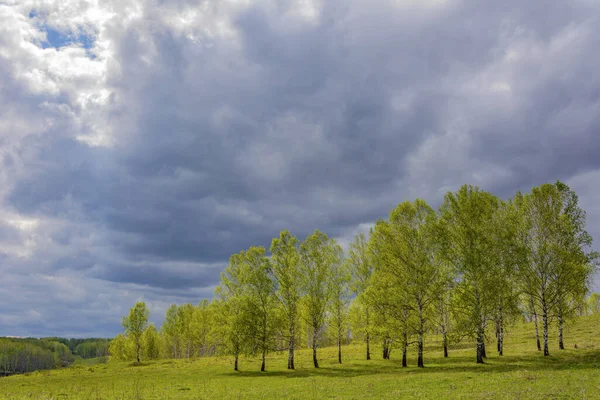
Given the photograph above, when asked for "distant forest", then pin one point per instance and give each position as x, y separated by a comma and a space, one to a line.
467, 271
21, 355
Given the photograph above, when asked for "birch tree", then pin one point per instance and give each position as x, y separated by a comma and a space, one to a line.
339, 289
507, 255
230, 315
317, 254
468, 246
387, 296
409, 237
169, 329
361, 268
259, 290
285, 265
558, 262
135, 324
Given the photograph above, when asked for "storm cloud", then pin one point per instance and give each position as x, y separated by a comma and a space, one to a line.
143, 142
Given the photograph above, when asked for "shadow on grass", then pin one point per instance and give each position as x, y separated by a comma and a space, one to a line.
139, 364
456, 364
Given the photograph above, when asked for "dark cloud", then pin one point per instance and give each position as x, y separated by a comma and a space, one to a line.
246, 120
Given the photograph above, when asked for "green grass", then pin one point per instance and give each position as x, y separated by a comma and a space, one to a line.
522, 373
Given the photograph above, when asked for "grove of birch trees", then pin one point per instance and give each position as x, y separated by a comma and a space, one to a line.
466, 271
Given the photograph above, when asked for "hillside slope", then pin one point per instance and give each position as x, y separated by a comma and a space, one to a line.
522, 373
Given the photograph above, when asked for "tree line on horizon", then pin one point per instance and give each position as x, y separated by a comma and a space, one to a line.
21, 355
468, 270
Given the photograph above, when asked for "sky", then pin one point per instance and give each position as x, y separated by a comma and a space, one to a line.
142, 142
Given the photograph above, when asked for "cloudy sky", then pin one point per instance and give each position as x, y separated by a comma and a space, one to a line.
144, 141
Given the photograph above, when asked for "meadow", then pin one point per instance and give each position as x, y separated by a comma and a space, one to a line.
522, 373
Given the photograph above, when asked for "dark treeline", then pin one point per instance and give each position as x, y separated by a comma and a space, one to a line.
27, 355
20, 355
92, 348
88, 347
465, 271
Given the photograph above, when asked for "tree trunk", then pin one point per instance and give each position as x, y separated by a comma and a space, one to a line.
561, 344
385, 349
420, 351
368, 344
339, 342
483, 353
445, 341
235, 364
314, 346
137, 352
501, 339
291, 354
443, 327
480, 345
535, 323
500, 328
404, 349
262, 367
404, 337
420, 339
545, 325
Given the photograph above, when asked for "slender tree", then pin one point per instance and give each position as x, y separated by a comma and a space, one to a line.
409, 238
468, 246
443, 304
230, 316
135, 324
577, 263
317, 254
260, 297
558, 257
387, 296
361, 267
507, 255
286, 270
169, 328
339, 289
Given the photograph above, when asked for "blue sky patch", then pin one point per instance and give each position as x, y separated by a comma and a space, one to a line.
57, 39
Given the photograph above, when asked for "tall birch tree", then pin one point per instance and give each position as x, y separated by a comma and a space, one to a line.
317, 254
468, 246
285, 264
361, 268
409, 237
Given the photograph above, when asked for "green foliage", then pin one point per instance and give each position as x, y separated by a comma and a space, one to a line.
360, 264
340, 278
135, 324
318, 254
558, 265
409, 257
285, 267
92, 348
593, 304
122, 348
151, 343
26, 355
468, 246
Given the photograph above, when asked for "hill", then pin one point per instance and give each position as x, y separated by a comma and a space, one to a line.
522, 373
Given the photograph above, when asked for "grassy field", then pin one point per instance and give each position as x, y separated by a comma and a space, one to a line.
522, 373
